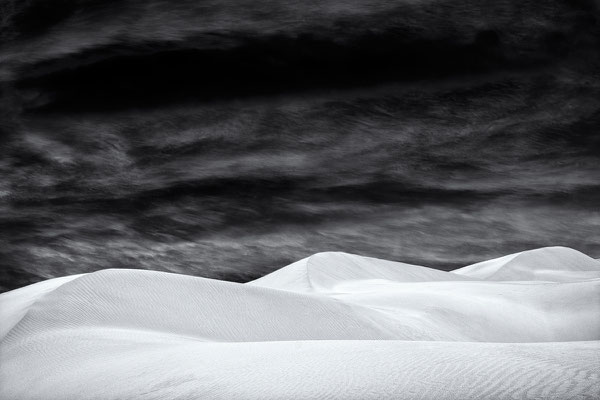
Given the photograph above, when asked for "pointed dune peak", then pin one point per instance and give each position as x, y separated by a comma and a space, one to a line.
553, 264
293, 277
324, 271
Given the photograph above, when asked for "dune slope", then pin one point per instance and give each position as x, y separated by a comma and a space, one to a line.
333, 325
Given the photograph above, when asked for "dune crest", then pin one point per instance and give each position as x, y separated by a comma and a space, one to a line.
332, 325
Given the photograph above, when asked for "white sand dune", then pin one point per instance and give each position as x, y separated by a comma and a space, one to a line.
554, 264
333, 325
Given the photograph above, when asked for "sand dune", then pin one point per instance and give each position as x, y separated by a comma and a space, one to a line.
333, 325
555, 264
15, 304
322, 271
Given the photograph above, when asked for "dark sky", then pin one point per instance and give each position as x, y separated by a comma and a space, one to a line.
227, 139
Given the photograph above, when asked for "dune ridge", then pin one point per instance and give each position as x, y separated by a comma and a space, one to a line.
332, 325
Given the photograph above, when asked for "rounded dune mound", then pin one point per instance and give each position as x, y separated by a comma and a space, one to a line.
553, 264
321, 272
15, 304
199, 308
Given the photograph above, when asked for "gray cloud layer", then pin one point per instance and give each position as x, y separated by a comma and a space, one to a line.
438, 170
